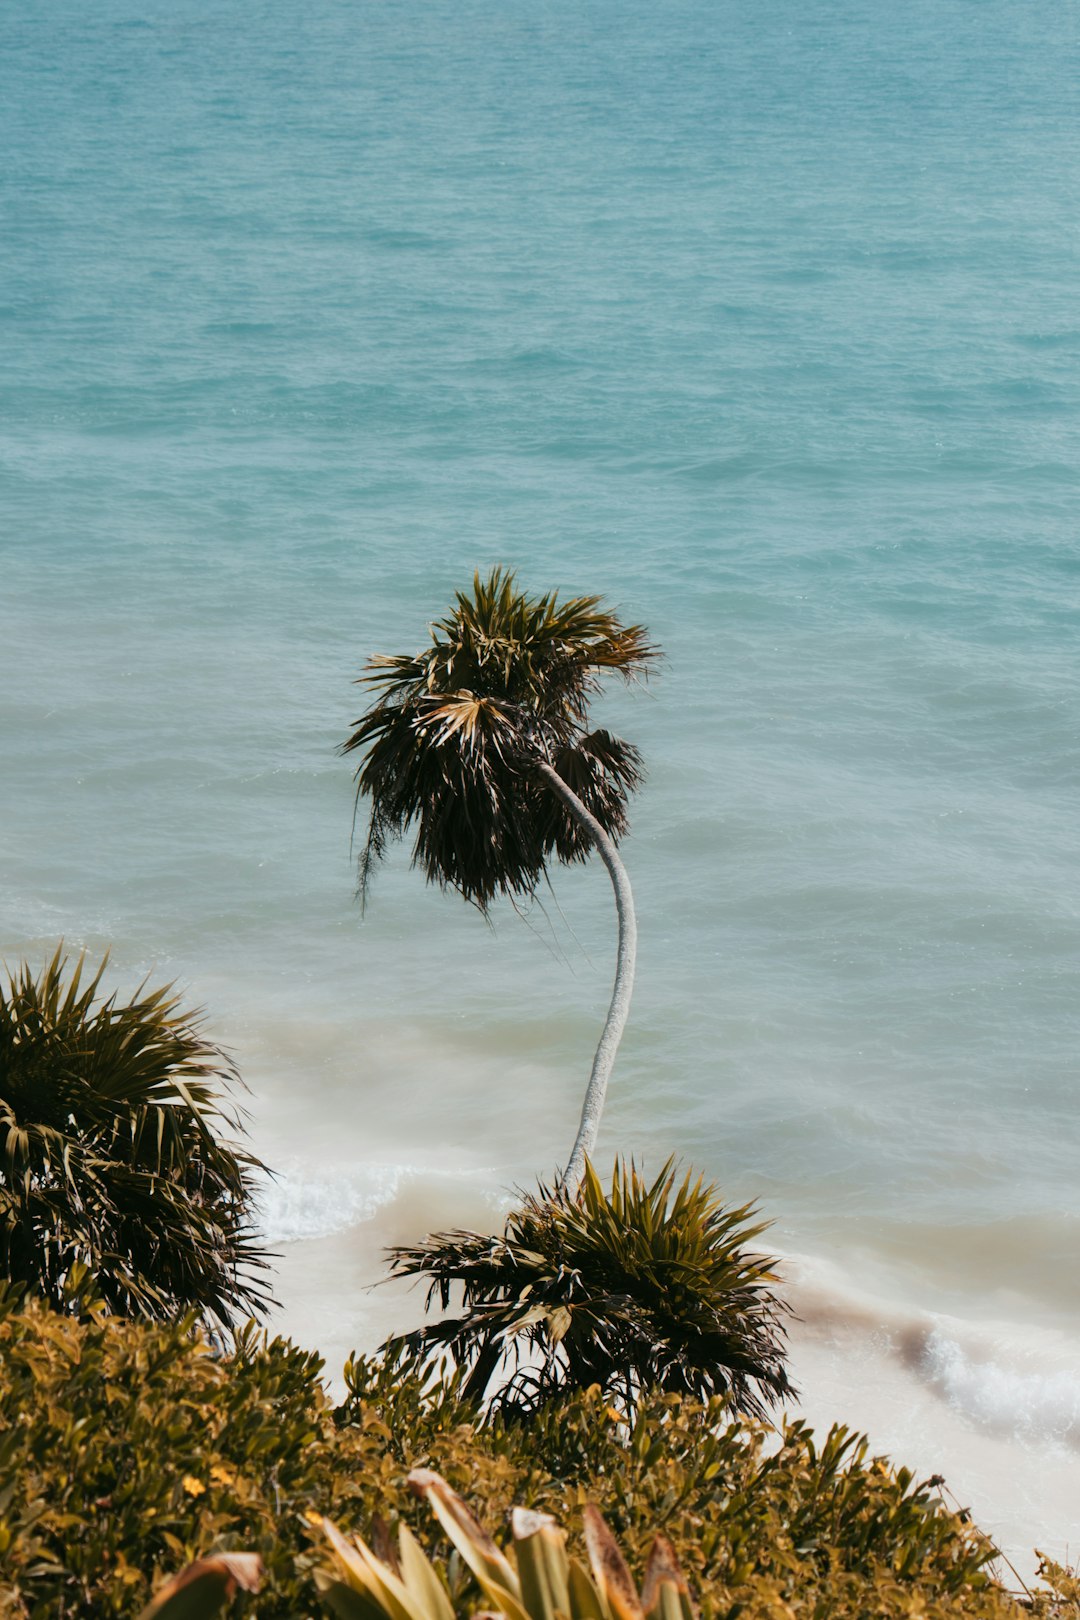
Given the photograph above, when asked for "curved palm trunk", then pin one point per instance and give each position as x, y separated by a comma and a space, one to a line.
619, 1008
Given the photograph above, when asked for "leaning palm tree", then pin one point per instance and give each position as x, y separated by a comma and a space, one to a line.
114, 1172
481, 743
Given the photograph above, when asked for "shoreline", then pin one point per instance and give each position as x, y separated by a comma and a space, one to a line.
932, 1391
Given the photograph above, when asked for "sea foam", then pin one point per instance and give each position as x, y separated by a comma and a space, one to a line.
298, 1203
1010, 1397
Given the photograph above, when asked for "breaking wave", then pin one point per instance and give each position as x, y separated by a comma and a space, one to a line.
1040, 1404
297, 1204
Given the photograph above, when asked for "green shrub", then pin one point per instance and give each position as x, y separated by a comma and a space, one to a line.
129, 1448
825, 1529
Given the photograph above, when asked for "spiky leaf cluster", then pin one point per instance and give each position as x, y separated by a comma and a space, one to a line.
650, 1285
451, 741
536, 1579
111, 1162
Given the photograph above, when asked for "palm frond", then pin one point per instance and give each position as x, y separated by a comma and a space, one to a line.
603, 771
114, 1150
451, 739
647, 1284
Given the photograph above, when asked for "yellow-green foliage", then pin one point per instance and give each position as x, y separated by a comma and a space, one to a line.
820, 1527
536, 1580
1061, 1600
128, 1449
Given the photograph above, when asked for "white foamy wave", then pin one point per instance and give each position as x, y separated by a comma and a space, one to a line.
1031, 1404
299, 1203
1015, 1380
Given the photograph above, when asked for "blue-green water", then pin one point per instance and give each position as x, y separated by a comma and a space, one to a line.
761, 320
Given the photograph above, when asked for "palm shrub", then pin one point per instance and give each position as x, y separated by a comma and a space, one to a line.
481, 742
647, 1285
112, 1165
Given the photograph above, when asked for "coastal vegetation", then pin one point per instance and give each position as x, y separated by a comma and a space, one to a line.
535, 1580
650, 1285
481, 742
604, 1373
115, 1169
155, 1467
130, 1448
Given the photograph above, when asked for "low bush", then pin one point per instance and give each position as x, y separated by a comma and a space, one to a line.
538, 1577
764, 1525
129, 1448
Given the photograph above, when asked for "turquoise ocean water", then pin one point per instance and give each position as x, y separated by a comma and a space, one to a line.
763, 321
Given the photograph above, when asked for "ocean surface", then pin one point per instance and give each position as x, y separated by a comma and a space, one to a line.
764, 322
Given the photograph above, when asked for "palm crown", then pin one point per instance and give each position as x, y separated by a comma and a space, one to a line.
111, 1160
455, 735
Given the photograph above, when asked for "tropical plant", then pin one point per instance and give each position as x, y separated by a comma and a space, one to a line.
481, 743
128, 1448
650, 1285
113, 1174
1061, 1599
537, 1581
199, 1591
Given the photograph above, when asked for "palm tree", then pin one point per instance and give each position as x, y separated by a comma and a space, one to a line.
112, 1168
481, 742
650, 1285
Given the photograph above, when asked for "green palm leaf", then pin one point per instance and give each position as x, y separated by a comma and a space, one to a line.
114, 1151
646, 1284
451, 741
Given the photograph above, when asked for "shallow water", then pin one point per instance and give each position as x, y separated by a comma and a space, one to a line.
762, 322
